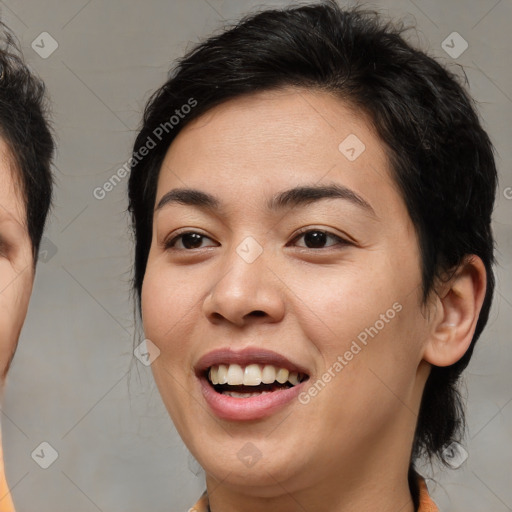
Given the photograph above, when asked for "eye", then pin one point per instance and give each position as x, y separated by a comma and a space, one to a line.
188, 239
317, 238
313, 238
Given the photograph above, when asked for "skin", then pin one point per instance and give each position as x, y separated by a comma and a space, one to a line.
16, 277
349, 447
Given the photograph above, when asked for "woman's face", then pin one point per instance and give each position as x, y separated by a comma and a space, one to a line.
16, 265
253, 297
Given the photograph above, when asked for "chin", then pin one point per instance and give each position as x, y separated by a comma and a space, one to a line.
250, 464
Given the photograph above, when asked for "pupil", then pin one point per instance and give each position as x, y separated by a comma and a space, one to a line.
315, 238
191, 240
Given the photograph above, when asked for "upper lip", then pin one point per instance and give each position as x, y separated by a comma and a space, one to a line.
245, 357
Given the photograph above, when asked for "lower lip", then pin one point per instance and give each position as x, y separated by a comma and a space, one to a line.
245, 409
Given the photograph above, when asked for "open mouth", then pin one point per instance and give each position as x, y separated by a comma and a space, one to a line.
252, 380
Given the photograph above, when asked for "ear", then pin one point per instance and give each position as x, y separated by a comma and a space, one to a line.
457, 307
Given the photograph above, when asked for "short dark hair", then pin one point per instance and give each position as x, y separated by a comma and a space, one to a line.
441, 157
25, 129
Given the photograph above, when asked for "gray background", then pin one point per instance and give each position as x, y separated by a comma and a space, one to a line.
74, 382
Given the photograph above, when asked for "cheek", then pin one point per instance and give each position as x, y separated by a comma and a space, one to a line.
369, 330
335, 305
14, 300
167, 303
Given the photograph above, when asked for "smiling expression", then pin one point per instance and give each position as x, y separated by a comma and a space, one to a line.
271, 252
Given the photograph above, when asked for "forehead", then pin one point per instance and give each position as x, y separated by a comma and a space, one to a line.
247, 147
12, 204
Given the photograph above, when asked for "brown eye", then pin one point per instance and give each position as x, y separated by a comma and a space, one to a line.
316, 239
189, 240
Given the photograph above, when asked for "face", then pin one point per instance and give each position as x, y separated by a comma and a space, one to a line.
289, 324
16, 264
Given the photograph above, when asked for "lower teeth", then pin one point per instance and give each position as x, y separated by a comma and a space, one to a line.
235, 394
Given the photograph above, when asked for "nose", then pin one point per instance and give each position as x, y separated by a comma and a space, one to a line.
246, 292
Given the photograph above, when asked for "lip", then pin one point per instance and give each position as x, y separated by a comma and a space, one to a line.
245, 409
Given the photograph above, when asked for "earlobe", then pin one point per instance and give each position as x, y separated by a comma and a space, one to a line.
459, 304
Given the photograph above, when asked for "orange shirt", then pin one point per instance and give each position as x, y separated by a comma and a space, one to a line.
6, 504
425, 501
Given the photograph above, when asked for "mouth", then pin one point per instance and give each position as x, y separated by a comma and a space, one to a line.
251, 380
248, 384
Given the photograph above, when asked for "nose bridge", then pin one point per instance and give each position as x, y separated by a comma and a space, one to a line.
245, 286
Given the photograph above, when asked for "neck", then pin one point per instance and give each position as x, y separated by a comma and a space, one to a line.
349, 491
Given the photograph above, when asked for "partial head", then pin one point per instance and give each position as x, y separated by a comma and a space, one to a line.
26, 149
267, 106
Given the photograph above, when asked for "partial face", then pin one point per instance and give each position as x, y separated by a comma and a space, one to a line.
16, 264
287, 320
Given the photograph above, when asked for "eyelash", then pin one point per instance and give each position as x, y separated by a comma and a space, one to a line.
169, 244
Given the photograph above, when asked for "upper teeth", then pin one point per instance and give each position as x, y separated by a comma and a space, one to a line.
251, 375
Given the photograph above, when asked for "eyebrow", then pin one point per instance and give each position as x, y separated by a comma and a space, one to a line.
287, 199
